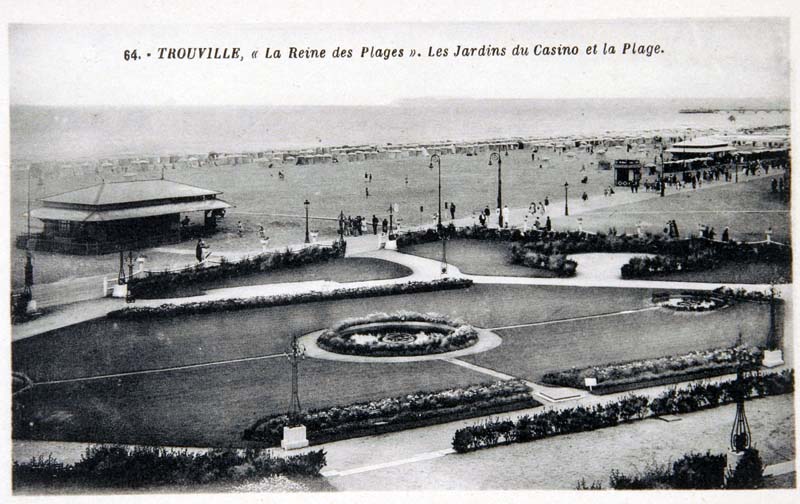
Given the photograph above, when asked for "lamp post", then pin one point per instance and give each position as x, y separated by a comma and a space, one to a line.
661, 183
121, 275
496, 156
295, 353
439, 227
566, 199
438, 160
341, 226
740, 438
28, 293
307, 204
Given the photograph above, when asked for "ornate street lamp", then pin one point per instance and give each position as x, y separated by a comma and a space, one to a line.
566, 198
307, 204
740, 433
496, 156
121, 275
295, 354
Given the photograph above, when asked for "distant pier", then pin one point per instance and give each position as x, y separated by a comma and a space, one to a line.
741, 110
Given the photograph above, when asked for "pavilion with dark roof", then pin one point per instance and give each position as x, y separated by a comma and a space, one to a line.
128, 215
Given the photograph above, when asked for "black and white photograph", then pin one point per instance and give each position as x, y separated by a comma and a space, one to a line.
331, 253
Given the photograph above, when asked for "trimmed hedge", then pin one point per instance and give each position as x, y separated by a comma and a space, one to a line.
124, 467
450, 334
160, 285
397, 413
643, 373
586, 418
196, 308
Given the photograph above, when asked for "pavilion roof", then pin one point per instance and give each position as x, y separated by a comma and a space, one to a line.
112, 193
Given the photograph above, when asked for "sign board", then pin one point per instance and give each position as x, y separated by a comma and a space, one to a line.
590, 382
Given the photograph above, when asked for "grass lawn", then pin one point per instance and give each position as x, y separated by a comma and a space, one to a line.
352, 269
528, 352
477, 257
212, 406
560, 462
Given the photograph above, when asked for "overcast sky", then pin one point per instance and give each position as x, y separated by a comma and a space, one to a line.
84, 65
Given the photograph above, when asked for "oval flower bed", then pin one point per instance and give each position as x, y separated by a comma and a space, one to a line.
401, 334
692, 303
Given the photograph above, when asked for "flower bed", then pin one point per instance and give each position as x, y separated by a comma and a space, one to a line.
172, 310
122, 467
398, 413
646, 373
692, 303
586, 418
160, 285
398, 334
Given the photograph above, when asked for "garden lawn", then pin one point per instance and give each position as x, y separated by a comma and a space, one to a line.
351, 269
529, 352
212, 406
560, 462
478, 257
105, 346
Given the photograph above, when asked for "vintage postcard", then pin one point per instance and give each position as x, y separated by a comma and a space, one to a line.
320, 257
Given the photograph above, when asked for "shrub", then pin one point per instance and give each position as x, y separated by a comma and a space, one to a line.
749, 472
158, 285
124, 467
196, 308
692, 471
696, 471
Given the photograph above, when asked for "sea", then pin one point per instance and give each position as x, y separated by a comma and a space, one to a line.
40, 133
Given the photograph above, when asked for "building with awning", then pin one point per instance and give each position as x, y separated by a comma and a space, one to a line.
114, 216
701, 147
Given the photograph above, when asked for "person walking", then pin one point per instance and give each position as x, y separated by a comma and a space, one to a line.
374, 224
452, 211
385, 225
548, 225
366, 191
726, 236
584, 196
200, 250
240, 228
